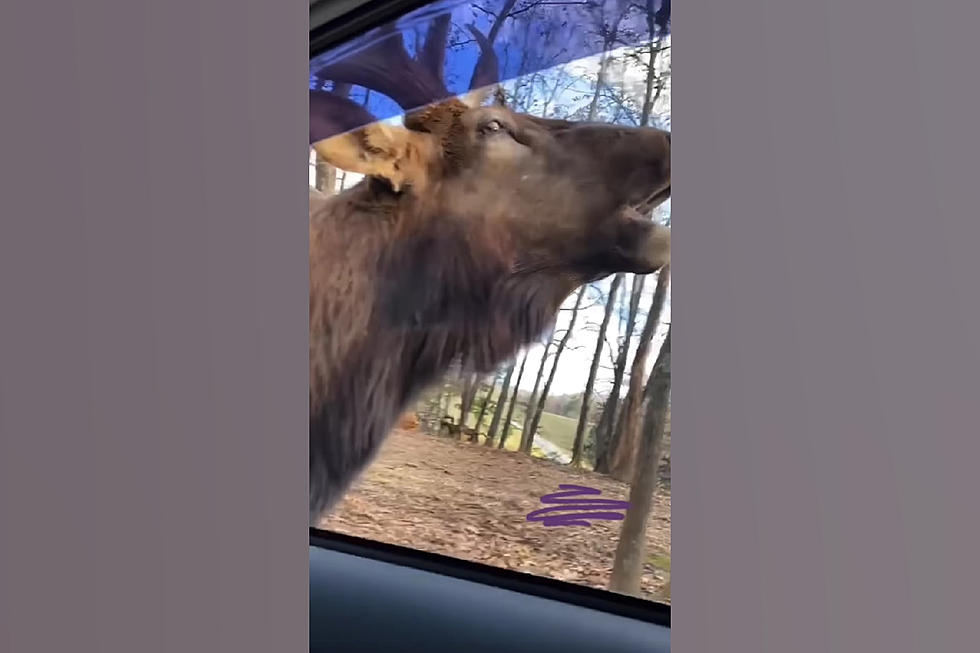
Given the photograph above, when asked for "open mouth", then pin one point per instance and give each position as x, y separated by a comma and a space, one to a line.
655, 200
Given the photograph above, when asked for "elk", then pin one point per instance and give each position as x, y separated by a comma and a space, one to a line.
471, 227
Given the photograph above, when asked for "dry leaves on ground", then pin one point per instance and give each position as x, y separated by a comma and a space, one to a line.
470, 501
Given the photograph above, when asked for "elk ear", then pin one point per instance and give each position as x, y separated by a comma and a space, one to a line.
476, 97
398, 155
499, 96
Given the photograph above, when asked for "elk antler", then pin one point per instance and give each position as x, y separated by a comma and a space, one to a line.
487, 70
332, 114
386, 67
432, 55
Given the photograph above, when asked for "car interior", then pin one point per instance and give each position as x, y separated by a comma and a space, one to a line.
367, 595
372, 596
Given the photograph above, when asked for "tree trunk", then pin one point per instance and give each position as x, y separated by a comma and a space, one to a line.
483, 409
554, 368
648, 98
447, 398
626, 436
609, 39
526, 439
498, 411
607, 419
631, 549
471, 384
583, 418
513, 403
600, 81
499, 21
651, 82
434, 407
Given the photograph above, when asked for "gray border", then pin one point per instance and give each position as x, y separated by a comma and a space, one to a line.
153, 364
826, 361
825, 382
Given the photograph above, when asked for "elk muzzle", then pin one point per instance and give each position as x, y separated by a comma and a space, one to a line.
654, 250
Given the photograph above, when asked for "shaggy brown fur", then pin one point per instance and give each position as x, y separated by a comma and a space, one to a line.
473, 228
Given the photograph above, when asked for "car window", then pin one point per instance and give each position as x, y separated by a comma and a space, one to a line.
555, 462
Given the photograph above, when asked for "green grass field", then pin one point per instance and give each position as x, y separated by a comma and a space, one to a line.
558, 430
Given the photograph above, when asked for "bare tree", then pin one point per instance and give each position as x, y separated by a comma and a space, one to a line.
431, 407
626, 436
648, 56
513, 404
583, 418
447, 405
498, 411
449, 390
536, 419
609, 32
527, 436
607, 418
483, 408
630, 551
471, 383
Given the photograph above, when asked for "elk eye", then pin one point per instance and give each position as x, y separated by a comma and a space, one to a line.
492, 127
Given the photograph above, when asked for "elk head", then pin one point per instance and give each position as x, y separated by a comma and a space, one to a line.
557, 197
553, 198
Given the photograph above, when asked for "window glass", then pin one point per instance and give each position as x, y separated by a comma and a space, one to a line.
479, 464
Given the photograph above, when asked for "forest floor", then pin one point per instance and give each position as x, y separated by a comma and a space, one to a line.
470, 501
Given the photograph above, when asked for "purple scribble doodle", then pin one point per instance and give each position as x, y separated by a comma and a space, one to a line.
567, 501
